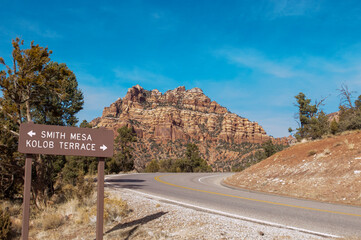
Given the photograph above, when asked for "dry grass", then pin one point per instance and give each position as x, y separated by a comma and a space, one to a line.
325, 153
69, 191
325, 170
14, 209
114, 209
15, 212
65, 220
350, 146
52, 221
312, 152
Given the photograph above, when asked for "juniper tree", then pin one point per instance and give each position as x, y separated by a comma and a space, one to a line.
313, 123
123, 160
33, 89
350, 112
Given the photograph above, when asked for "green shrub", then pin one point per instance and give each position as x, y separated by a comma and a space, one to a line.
350, 119
152, 166
83, 189
334, 127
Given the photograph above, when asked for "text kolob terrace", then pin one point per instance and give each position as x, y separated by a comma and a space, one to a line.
68, 142
59, 140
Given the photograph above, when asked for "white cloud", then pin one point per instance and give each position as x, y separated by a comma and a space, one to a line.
37, 29
280, 79
87, 78
253, 59
343, 67
286, 8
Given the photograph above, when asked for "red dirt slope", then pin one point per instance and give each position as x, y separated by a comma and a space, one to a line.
324, 170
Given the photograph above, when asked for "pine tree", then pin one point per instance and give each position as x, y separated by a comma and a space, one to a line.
34, 89
313, 123
305, 112
123, 160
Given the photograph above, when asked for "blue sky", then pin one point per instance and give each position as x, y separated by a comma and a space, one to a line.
252, 57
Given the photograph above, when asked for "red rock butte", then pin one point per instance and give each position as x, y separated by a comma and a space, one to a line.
165, 122
179, 114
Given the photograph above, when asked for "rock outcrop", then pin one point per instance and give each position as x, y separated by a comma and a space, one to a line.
180, 115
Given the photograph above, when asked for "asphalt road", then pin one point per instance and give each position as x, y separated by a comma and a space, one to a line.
205, 191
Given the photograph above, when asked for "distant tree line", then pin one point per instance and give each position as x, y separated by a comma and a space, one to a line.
266, 150
192, 162
314, 123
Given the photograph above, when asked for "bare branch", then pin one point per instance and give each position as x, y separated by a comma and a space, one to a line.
8, 114
13, 132
346, 96
320, 103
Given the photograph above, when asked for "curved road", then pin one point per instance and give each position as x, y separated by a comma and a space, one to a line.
204, 191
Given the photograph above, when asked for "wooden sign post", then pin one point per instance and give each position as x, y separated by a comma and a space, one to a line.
57, 140
100, 199
26, 200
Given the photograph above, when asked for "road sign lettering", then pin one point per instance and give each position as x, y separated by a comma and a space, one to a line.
56, 135
31, 133
57, 140
39, 144
103, 147
77, 146
80, 137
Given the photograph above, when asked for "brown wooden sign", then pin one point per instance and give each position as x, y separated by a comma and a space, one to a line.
58, 140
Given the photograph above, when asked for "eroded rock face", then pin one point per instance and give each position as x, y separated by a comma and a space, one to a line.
180, 115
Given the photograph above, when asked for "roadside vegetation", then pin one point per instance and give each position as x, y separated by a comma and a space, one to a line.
326, 169
123, 159
314, 123
35, 88
192, 162
325, 164
266, 150
71, 210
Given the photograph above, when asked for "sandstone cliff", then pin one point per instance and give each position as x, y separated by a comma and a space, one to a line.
179, 116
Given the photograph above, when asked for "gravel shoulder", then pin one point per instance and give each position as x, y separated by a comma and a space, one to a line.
152, 218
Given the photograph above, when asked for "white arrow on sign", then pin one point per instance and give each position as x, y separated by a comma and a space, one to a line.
31, 133
103, 147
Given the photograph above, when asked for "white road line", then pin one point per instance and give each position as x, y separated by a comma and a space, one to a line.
236, 216
118, 175
200, 179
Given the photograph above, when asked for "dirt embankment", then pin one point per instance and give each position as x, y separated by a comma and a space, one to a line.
324, 170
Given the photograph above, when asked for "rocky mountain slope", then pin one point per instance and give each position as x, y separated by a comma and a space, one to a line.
327, 170
164, 123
